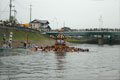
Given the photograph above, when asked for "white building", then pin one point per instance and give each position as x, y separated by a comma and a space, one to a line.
41, 25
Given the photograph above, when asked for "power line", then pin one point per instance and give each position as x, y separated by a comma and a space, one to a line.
4, 7
18, 4
3, 4
23, 11
4, 11
119, 12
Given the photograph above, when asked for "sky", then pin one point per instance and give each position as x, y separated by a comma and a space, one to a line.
76, 14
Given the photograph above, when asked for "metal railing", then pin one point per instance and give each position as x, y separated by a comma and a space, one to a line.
19, 28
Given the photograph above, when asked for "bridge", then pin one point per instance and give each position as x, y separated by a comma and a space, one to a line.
99, 35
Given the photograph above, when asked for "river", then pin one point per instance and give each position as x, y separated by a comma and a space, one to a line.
101, 63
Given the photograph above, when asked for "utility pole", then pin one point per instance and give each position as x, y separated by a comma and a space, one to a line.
100, 22
30, 12
14, 18
64, 24
10, 11
119, 12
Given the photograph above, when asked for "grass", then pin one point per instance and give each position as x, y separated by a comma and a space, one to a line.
21, 35
72, 40
76, 40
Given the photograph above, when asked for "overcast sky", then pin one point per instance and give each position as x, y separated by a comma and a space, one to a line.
71, 13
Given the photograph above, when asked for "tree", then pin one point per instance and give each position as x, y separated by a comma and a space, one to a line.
13, 20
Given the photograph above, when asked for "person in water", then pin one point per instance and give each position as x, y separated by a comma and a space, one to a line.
60, 46
10, 44
52, 48
34, 48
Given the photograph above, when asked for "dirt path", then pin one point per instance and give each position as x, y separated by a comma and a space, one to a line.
20, 43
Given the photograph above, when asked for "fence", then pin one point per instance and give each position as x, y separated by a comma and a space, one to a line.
19, 28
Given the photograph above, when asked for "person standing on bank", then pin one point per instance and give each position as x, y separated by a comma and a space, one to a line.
4, 37
10, 40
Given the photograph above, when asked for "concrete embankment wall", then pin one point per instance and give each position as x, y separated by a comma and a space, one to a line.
104, 41
95, 41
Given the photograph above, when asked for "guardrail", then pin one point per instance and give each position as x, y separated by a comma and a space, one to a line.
19, 28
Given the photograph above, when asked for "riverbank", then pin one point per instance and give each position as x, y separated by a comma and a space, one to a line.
20, 43
19, 37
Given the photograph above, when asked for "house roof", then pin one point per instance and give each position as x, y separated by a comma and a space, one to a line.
40, 21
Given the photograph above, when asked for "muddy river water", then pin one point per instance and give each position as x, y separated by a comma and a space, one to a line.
101, 63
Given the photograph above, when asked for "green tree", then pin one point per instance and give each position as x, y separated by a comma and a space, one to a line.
13, 20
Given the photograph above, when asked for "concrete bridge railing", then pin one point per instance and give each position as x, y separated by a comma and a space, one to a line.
98, 35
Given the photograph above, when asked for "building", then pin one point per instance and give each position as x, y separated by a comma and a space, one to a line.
41, 25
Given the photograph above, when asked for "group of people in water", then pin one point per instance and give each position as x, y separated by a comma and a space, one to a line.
53, 48
59, 46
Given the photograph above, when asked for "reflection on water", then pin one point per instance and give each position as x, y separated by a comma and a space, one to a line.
60, 64
101, 63
60, 57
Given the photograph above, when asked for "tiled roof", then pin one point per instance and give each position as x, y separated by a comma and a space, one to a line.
39, 21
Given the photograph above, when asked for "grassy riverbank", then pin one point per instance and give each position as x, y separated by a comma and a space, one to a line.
21, 35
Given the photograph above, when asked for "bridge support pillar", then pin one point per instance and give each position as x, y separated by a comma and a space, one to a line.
100, 41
